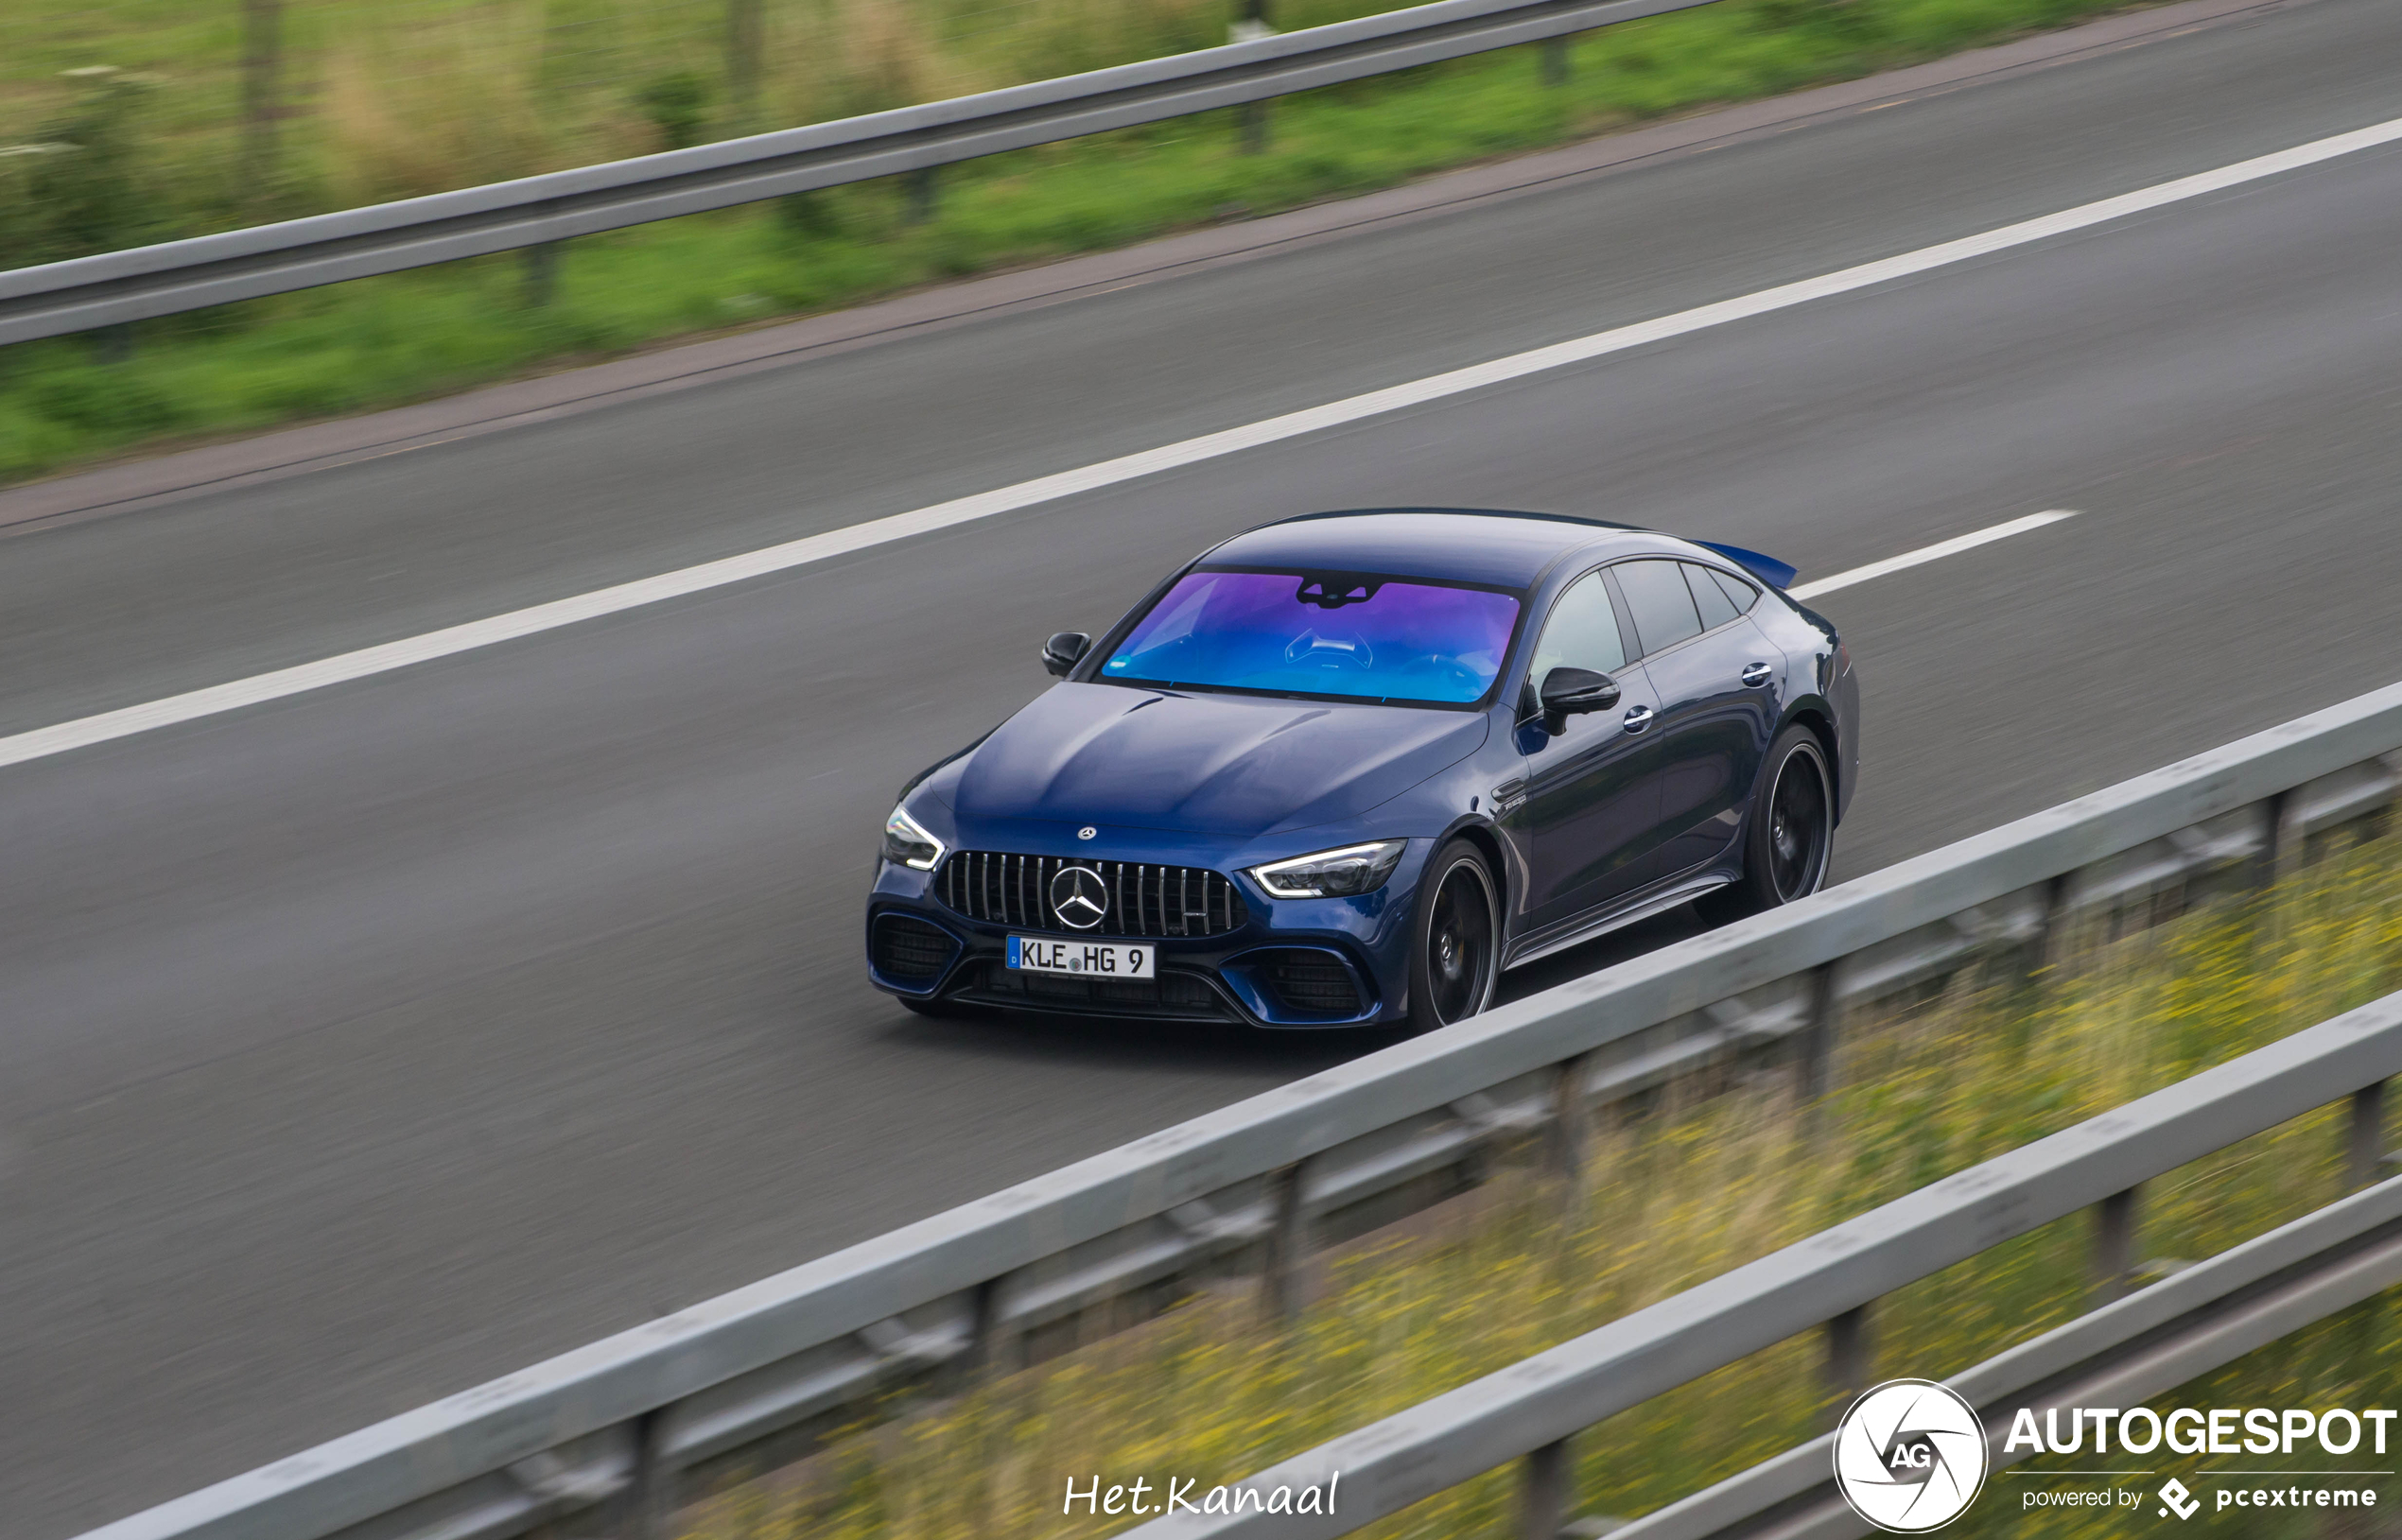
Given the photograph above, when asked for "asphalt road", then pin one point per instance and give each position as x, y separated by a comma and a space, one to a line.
360, 1046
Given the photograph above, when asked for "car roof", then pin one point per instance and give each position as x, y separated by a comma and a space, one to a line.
1502, 546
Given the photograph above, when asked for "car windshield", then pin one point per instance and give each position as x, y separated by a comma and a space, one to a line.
1339, 634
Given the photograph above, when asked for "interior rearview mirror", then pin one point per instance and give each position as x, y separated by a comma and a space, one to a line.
1570, 692
1060, 653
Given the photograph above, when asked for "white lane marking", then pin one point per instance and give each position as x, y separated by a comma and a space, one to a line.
733, 570
1936, 552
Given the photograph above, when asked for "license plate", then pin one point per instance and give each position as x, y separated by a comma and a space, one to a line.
1103, 960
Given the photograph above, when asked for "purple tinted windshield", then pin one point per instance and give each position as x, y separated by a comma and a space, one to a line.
1301, 634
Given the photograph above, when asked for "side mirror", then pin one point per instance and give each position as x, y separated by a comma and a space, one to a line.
1062, 652
1571, 692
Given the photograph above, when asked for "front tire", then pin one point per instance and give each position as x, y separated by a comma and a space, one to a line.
1788, 835
1455, 938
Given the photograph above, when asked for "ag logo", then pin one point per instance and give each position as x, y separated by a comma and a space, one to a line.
1909, 1456
1078, 897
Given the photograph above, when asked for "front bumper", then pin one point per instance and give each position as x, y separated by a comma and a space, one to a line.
1290, 963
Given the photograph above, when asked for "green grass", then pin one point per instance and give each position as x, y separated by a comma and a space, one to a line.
384, 341
1681, 1195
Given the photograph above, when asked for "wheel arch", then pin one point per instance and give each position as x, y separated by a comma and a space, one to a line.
1488, 843
1814, 713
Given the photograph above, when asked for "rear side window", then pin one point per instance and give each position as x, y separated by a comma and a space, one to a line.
1658, 602
1742, 593
1582, 632
1717, 609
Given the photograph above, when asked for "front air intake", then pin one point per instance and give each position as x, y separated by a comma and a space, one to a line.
1313, 982
910, 951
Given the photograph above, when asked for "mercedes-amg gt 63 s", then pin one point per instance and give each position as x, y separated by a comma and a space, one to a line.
1348, 767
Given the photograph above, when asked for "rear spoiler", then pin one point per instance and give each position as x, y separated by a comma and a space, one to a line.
1776, 573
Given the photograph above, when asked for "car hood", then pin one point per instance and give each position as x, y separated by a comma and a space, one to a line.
1205, 764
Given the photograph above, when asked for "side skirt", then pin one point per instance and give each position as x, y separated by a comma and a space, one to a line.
1642, 906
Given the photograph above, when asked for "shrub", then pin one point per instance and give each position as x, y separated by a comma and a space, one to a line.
677, 104
84, 184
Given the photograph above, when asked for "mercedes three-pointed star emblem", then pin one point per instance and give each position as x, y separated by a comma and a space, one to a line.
1078, 897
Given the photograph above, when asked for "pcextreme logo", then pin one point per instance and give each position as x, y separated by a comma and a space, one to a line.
1909, 1456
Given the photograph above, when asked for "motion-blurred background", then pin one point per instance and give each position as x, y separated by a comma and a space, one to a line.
139, 121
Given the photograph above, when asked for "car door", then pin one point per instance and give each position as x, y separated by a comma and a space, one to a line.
1585, 824
1711, 671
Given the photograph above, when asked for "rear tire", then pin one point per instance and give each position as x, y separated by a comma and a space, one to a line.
1789, 832
1456, 934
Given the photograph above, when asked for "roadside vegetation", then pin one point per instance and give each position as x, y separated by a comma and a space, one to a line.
127, 121
1679, 1194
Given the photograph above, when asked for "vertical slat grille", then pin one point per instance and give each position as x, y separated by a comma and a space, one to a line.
1144, 900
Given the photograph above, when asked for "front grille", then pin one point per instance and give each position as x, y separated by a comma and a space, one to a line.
1143, 899
910, 951
1314, 982
1178, 996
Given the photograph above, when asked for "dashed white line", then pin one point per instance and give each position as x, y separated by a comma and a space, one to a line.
451, 640
1936, 552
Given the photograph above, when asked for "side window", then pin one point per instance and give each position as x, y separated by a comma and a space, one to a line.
1582, 632
1658, 602
1741, 592
1717, 609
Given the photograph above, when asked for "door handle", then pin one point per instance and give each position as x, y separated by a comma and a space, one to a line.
1637, 719
1755, 675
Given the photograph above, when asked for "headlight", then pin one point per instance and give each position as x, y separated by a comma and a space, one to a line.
1333, 874
907, 843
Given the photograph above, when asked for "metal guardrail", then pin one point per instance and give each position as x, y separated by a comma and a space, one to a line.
1254, 1186
2123, 1355
2144, 1345
120, 286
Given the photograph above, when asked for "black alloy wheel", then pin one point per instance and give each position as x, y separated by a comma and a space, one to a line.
1456, 959
1798, 831
1789, 832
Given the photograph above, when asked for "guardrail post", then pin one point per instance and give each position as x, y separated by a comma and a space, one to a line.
648, 1502
2365, 1138
1288, 1239
1554, 52
542, 273
2114, 1243
923, 186
2051, 947
1543, 1505
1571, 1128
1849, 1356
2281, 846
992, 1347
1816, 1067
1253, 24
1255, 127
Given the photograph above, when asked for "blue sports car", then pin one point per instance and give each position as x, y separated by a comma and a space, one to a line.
1346, 768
